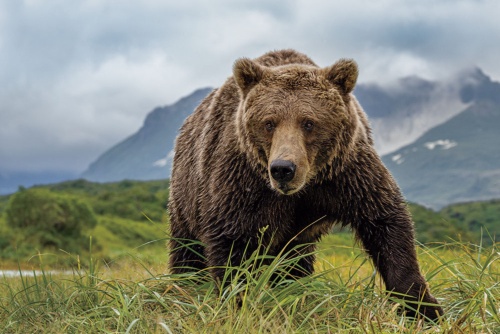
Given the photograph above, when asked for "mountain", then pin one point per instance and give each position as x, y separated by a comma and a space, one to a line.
398, 113
443, 133
402, 112
147, 154
459, 160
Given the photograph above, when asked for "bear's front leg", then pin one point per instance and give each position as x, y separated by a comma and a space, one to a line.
186, 255
374, 206
224, 253
390, 243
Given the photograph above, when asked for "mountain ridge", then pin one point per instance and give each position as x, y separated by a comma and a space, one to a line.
415, 109
397, 115
145, 154
458, 160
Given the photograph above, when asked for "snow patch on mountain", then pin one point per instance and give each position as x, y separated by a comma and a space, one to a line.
398, 158
445, 144
164, 161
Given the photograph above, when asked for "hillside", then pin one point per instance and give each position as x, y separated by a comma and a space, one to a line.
133, 213
130, 219
459, 160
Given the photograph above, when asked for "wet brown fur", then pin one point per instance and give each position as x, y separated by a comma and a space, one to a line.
222, 192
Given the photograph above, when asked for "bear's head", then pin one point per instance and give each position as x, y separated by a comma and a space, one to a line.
296, 120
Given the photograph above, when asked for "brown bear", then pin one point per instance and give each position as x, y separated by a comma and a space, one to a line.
284, 145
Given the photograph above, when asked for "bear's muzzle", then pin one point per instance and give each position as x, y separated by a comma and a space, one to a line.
283, 173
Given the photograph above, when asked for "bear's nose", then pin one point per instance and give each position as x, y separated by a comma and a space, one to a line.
282, 170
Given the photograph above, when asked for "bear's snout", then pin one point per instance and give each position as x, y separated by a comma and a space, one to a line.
282, 170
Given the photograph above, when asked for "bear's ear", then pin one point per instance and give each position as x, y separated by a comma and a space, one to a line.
247, 74
343, 74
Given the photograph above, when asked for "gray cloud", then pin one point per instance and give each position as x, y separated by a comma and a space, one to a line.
78, 76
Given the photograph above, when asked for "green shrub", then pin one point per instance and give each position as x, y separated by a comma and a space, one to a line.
48, 219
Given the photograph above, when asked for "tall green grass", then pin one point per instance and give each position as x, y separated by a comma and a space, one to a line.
343, 296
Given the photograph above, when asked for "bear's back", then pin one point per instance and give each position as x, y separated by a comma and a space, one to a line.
284, 57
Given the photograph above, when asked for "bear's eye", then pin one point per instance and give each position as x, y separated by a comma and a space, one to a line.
269, 126
308, 125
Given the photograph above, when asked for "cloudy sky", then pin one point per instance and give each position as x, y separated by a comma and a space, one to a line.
76, 77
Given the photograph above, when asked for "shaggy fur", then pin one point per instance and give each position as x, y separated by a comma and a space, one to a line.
284, 145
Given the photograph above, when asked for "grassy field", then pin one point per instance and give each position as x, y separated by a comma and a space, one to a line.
118, 280
136, 295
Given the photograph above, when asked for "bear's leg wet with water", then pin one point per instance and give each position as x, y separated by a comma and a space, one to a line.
187, 254
388, 243
383, 224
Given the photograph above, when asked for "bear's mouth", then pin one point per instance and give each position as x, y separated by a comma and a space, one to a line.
284, 188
